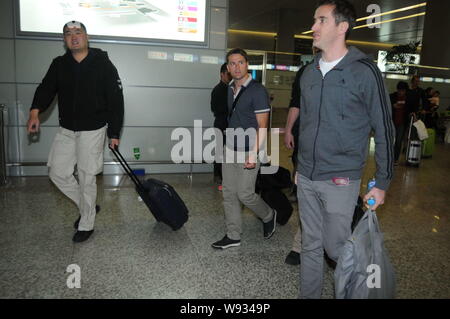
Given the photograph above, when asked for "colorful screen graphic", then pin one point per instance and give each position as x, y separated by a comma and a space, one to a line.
172, 20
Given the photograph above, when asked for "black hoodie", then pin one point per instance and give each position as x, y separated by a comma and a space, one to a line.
89, 93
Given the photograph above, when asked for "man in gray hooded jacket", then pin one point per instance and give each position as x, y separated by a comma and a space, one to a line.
343, 99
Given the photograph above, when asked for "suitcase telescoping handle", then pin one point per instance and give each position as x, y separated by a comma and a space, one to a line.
126, 167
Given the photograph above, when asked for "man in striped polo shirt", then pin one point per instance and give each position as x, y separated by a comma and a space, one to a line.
248, 119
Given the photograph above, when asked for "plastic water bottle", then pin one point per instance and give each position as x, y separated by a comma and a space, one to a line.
371, 201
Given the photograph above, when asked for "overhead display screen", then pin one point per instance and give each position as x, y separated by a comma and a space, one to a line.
168, 20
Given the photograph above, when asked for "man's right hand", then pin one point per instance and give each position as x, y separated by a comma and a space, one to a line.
289, 140
33, 121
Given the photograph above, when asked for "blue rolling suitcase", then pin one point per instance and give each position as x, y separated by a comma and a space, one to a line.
161, 199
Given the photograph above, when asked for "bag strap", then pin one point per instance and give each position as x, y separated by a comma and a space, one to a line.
236, 100
374, 227
126, 167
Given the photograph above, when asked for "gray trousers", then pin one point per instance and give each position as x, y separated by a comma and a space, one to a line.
84, 149
238, 186
326, 212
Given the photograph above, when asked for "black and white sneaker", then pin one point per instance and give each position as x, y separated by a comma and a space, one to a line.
269, 227
226, 243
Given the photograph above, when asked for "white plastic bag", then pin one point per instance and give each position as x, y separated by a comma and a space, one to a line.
421, 130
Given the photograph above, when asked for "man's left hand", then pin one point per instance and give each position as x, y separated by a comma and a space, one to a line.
378, 195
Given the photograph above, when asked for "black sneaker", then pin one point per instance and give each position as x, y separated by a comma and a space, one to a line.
82, 235
293, 258
77, 222
269, 227
226, 243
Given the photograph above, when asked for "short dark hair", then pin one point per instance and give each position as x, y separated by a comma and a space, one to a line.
402, 85
237, 51
343, 11
223, 68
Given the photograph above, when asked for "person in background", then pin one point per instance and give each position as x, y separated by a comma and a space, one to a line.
415, 96
91, 106
429, 92
435, 99
219, 107
429, 109
400, 116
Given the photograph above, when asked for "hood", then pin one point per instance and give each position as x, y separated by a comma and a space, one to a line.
98, 53
353, 54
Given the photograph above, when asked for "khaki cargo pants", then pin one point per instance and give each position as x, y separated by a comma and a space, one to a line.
85, 150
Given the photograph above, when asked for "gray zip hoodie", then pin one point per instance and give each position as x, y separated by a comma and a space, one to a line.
338, 113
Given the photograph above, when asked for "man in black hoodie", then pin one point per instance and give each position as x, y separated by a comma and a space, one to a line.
90, 104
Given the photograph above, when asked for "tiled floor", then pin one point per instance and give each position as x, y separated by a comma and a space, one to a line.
132, 256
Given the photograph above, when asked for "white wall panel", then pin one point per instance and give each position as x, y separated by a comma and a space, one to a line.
136, 68
34, 58
25, 93
167, 107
